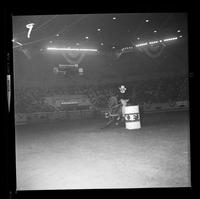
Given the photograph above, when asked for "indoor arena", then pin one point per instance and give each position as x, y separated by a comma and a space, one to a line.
101, 101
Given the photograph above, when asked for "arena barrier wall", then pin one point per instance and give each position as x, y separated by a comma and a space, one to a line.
167, 106
160, 107
86, 114
80, 114
20, 119
61, 115
74, 115
24, 118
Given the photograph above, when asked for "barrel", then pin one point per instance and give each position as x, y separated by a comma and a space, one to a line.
132, 117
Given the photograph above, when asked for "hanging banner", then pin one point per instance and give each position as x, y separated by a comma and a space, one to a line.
153, 51
73, 57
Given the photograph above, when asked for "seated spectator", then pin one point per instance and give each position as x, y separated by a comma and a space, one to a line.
160, 90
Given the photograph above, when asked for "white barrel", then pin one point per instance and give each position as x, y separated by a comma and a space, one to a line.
132, 117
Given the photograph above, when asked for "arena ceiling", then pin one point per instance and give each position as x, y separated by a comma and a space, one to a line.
108, 33
104, 31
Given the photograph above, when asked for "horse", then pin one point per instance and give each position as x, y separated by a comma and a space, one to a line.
116, 112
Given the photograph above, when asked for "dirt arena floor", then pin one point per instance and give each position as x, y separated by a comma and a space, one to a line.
81, 155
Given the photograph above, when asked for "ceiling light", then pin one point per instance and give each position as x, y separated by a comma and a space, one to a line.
87, 37
102, 44
114, 18
153, 42
98, 29
170, 39
142, 44
147, 20
155, 31
178, 31
71, 49
18, 43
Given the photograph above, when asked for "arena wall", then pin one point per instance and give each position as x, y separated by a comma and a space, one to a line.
25, 118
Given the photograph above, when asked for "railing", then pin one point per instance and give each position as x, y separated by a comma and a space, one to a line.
167, 106
25, 118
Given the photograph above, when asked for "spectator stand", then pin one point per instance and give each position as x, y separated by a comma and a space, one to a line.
155, 95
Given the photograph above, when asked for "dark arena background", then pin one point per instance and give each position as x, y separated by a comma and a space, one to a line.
66, 69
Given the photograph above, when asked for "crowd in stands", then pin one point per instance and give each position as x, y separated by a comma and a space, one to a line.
162, 90
29, 100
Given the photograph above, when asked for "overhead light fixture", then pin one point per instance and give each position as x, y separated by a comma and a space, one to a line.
14, 41
153, 42
87, 37
71, 49
77, 44
138, 38
142, 44
155, 31
57, 35
114, 18
170, 39
113, 47
50, 41
98, 29
102, 44
178, 31
180, 36
147, 20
